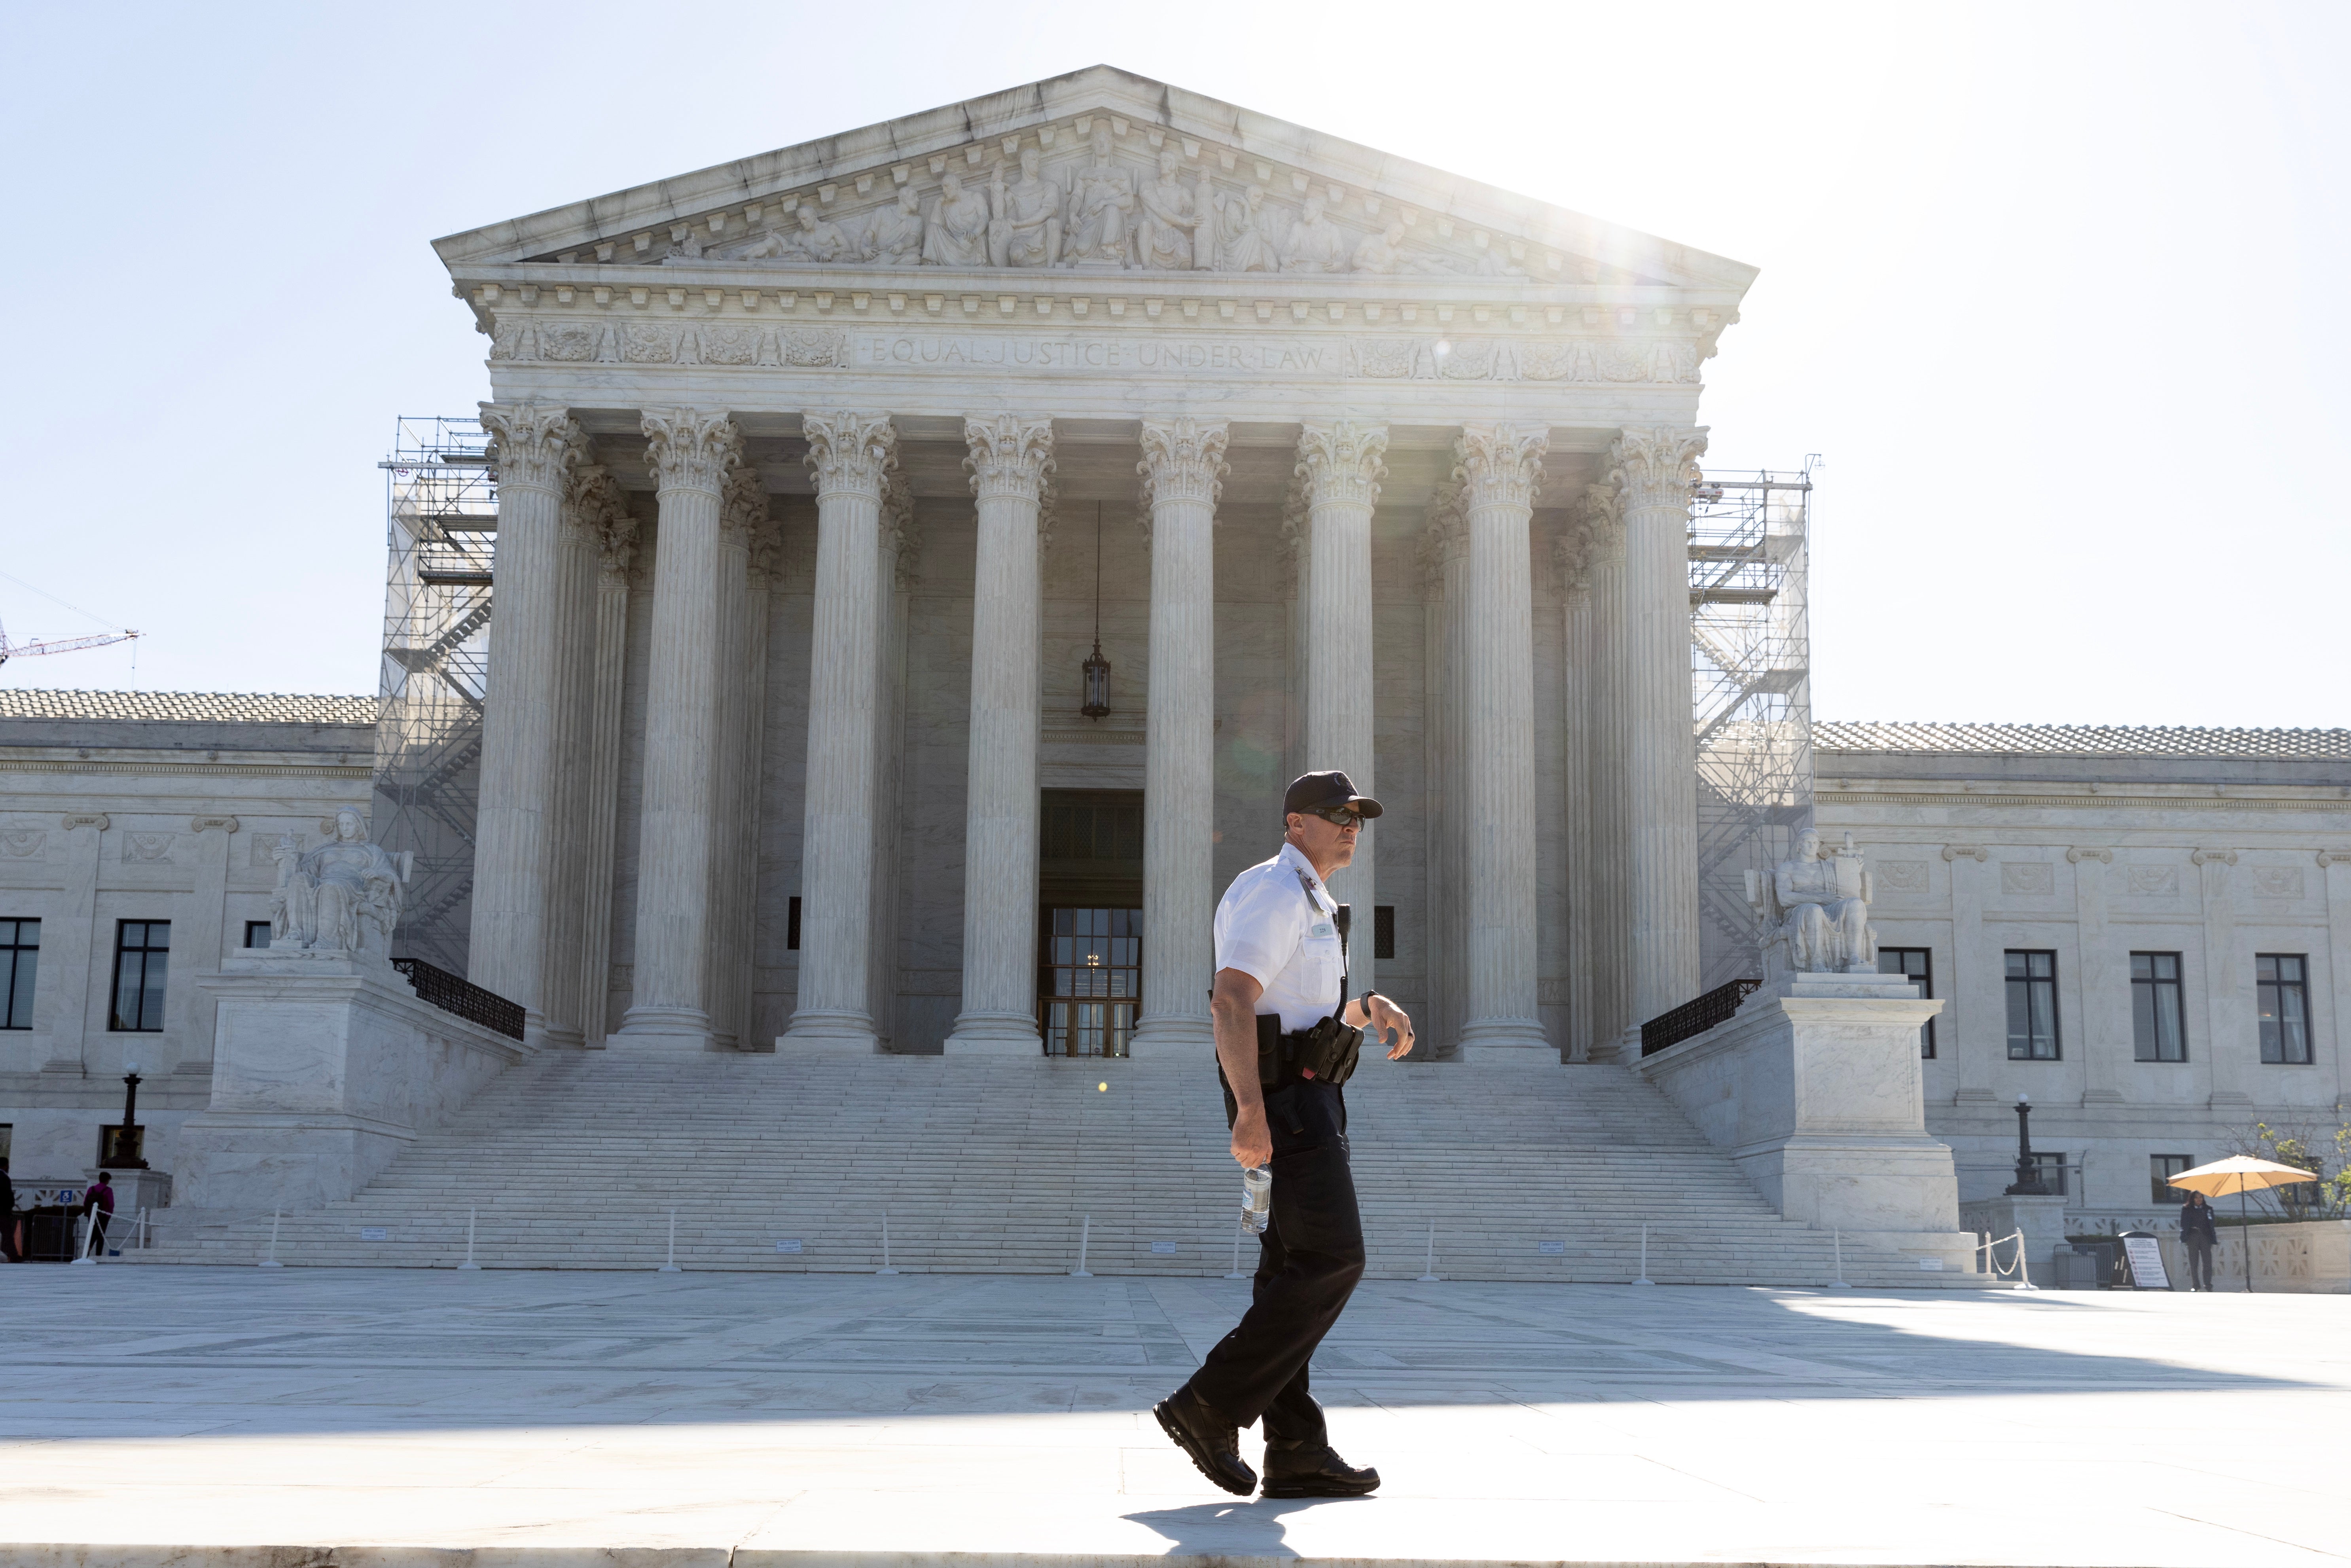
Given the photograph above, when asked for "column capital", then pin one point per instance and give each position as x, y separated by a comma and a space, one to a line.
1444, 538
1297, 531
1600, 512
691, 448
1656, 465
1012, 455
591, 500
533, 442
1498, 464
742, 507
1183, 460
899, 532
850, 453
1339, 461
766, 554
1570, 557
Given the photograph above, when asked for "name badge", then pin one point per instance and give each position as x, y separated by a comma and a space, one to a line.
1323, 928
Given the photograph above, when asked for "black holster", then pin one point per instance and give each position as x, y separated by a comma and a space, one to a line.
1327, 1052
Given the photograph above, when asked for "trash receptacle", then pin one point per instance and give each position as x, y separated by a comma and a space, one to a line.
2102, 1258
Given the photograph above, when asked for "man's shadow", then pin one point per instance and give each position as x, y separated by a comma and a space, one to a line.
1251, 1527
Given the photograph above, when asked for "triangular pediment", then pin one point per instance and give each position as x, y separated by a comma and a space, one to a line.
1097, 172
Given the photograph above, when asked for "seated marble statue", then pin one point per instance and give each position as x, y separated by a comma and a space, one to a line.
343, 897
1315, 244
1815, 911
1242, 244
818, 239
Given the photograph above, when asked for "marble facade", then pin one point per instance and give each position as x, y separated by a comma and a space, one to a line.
1345, 423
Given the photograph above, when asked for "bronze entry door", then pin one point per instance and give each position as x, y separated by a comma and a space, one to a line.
1090, 924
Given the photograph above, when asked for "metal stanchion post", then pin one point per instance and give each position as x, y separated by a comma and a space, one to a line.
1645, 1279
671, 1267
1429, 1269
885, 1268
1085, 1234
1836, 1240
271, 1261
469, 1262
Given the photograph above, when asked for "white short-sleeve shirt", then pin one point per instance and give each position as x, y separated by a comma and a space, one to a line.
1285, 936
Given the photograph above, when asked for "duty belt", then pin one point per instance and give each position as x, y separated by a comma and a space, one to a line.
1327, 1053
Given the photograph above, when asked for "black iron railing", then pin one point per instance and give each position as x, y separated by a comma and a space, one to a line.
455, 994
1695, 1017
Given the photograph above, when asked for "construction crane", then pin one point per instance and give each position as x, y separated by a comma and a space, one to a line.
58, 644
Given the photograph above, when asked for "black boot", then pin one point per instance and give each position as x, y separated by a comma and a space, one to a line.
1315, 1472
1213, 1443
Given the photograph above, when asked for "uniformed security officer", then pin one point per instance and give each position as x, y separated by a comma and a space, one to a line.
1286, 1036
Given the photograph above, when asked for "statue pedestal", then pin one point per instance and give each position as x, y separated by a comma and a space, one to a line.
325, 1065
1815, 1087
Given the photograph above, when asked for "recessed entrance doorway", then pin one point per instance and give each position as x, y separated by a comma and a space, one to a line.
1090, 924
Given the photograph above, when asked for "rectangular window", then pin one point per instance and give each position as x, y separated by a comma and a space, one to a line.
257, 932
2032, 1006
2160, 1169
2050, 1169
1914, 965
142, 952
2158, 1026
1382, 930
20, 963
2282, 1002
792, 925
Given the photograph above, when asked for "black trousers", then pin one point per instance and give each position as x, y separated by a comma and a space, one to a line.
2200, 1263
98, 1219
1309, 1259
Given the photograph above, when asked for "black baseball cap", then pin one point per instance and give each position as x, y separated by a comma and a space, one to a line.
1320, 791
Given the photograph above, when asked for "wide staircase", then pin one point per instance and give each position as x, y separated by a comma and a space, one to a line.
580, 1160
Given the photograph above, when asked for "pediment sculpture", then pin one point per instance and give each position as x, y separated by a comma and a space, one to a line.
1094, 212
343, 897
1813, 908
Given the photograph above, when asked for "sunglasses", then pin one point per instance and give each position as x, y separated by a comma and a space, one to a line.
1337, 816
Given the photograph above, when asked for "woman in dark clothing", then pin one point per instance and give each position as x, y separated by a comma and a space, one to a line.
2196, 1230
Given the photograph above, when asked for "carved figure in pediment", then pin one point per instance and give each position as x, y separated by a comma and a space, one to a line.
1316, 244
1168, 230
1242, 244
1102, 200
895, 236
956, 234
1026, 229
818, 239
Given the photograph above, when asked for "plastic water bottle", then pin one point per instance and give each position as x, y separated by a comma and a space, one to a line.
1256, 1199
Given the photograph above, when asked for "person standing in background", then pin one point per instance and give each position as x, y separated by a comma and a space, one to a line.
98, 1202
2198, 1231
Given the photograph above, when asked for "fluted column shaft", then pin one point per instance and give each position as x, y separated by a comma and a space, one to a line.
1575, 726
589, 494
535, 443
742, 503
1604, 781
851, 454
1340, 465
616, 545
1498, 469
743, 913
1009, 459
1657, 468
1183, 466
692, 450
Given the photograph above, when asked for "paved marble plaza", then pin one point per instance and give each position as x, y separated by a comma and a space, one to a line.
558, 1418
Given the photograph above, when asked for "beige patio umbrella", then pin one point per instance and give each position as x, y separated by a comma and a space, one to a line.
2241, 1174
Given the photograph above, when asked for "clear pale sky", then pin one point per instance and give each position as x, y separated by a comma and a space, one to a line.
2045, 285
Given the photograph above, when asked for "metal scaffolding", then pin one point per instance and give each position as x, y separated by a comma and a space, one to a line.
442, 505
1750, 697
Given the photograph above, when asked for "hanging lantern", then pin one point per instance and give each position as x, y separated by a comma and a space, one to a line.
1097, 671
1097, 668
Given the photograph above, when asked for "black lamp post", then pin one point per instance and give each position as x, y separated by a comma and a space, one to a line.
127, 1152
1097, 668
2028, 1171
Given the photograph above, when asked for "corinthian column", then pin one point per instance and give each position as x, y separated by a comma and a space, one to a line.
1603, 779
1657, 468
743, 509
1498, 466
512, 833
851, 454
1445, 590
1010, 458
1340, 466
616, 546
1182, 468
691, 451
1569, 557
589, 496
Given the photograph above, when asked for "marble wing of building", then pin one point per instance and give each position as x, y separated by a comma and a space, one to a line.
897, 577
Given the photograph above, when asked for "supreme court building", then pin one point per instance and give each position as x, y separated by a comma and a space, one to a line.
821, 474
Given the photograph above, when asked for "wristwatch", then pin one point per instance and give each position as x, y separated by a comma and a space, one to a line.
1365, 1002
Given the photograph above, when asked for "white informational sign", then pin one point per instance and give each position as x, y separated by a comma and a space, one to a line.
1163, 1246
1551, 1248
374, 1233
2146, 1258
789, 1243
